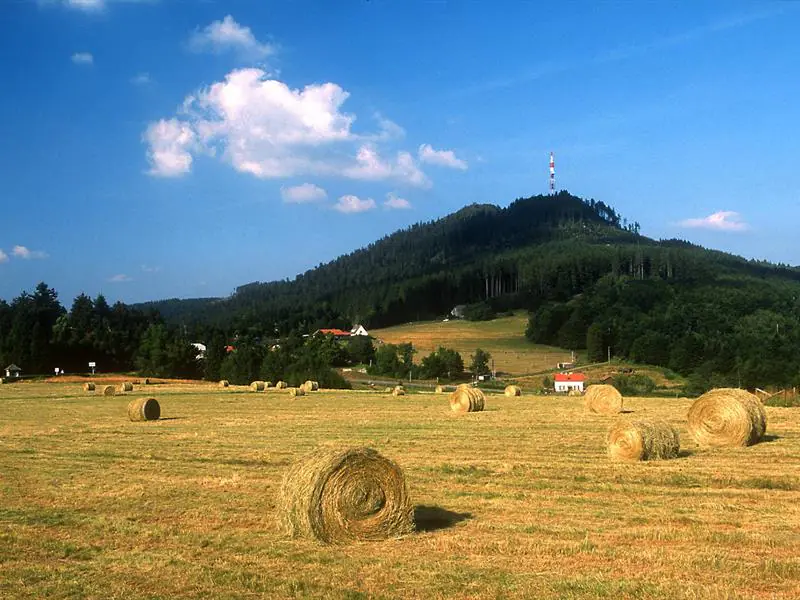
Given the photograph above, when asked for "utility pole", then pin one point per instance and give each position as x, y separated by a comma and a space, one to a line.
609, 354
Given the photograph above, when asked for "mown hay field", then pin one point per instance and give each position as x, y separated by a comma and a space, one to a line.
517, 501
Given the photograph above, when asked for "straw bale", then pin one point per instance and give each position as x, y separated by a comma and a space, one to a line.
467, 399
267, 384
339, 495
126, 386
298, 391
513, 390
398, 391
257, 386
311, 386
727, 417
281, 385
439, 389
144, 409
109, 390
88, 387
388, 390
224, 383
603, 399
642, 440
146, 381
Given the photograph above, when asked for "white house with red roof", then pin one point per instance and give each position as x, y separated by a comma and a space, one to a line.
566, 382
336, 333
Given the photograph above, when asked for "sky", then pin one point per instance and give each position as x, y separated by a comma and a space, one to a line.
153, 149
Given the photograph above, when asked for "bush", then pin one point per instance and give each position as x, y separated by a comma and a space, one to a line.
479, 311
633, 385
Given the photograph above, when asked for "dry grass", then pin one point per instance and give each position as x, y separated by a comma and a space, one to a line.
518, 501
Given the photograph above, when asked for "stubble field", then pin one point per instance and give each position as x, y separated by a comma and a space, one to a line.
519, 501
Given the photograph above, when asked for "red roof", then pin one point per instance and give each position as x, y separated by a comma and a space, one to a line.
570, 377
336, 332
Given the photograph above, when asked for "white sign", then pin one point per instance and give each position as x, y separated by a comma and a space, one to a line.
93, 364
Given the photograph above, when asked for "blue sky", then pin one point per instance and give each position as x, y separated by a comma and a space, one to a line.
163, 148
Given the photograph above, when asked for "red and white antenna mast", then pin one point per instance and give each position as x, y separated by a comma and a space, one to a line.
552, 174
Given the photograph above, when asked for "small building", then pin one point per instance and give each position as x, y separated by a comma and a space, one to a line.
201, 350
566, 365
458, 311
566, 382
336, 333
13, 371
359, 330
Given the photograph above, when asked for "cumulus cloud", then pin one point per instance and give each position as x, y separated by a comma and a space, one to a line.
353, 204
263, 127
440, 158
83, 58
395, 202
121, 278
370, 166
723, 220
87, 5
170, 143
26, 254
141, 79
3, 256
228, 35
303, 193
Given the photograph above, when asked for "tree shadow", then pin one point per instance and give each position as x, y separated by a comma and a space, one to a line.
170, 418
627, 411
684, 453
768, 438
433, 518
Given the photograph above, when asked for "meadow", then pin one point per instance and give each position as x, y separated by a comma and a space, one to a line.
519, 501
503, 338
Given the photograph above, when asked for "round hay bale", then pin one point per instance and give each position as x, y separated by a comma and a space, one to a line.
642, 440
388, 390
603, 399
109, 390
467, 399
257, 386
311, 386
513, 390
281, 385
298, 391
88, 387
224, 383
267, 384
727, 417
144, 409
146, 381
338, 495
439, 389
398, 391
126, 386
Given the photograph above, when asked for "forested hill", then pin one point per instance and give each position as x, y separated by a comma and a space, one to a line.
419, 272
535, 252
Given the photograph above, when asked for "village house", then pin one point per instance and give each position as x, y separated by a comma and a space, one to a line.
566, 382
13, 371
337, 334
359, 330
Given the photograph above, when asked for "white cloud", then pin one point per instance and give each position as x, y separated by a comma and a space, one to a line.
149, 269
395, 202
306, 192
263, 127
87, 5
141, 79
26, 254
121, 278
83, 58
370, 166
724, 220
170, 142
441, 158
229, 35
3, 257
353, 204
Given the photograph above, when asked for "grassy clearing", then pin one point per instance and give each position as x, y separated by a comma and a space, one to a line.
518, 501
504, 338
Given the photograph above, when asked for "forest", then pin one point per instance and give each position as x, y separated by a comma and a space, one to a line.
586, 275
